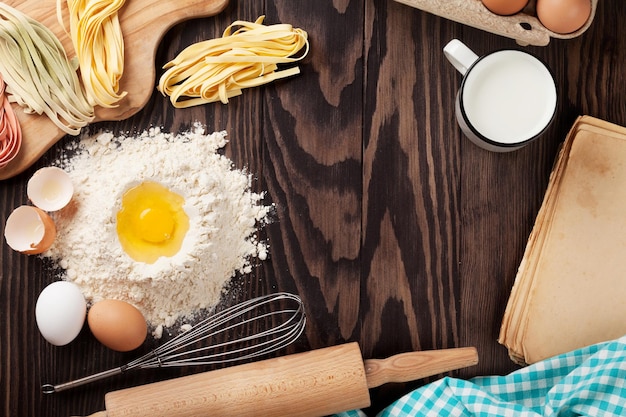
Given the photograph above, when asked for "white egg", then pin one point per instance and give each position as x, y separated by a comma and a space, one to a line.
60, 312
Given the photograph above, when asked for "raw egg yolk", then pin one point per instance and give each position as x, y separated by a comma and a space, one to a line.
152, 222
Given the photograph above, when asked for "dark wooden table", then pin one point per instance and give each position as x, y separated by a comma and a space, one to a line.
396, 231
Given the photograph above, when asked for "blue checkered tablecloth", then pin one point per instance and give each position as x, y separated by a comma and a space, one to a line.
586, 382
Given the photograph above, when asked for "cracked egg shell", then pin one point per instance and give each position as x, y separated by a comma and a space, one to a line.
29, 230
50, 188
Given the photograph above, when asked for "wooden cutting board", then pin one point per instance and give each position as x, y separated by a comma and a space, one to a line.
143, 22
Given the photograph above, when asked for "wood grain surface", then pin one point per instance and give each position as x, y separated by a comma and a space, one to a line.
397, 232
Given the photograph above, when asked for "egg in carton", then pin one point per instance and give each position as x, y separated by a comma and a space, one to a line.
523, 26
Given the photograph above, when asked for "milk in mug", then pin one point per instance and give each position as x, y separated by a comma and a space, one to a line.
507, 98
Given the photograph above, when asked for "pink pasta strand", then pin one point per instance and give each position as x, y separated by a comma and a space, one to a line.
10, 130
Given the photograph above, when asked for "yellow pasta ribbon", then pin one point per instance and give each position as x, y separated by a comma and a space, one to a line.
39, 76
99, 44
218, 69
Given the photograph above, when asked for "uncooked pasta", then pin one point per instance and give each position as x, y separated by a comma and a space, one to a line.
10, 130
218, 69
99, 44
38, 74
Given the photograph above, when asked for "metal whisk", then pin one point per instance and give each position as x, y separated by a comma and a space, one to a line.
275, 321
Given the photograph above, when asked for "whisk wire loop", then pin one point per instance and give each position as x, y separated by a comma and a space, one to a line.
246, 333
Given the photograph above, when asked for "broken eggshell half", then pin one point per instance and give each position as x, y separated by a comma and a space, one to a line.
29, 230
50, 189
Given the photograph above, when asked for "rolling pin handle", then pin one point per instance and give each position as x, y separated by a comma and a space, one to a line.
412, 366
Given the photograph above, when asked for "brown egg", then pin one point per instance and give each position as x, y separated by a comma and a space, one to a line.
505, 7
117, 325
563, 16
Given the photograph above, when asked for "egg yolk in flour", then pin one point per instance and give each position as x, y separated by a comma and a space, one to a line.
151, 222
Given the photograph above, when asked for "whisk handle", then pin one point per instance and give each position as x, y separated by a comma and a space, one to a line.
51, 389
412, 366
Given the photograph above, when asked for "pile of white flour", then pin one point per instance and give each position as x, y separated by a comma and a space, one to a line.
224, 215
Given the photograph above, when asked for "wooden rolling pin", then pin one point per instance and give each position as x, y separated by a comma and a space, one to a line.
314, 383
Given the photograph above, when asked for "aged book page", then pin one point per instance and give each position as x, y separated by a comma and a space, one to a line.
571, 286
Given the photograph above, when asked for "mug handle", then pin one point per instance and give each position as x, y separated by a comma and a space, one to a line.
459, 55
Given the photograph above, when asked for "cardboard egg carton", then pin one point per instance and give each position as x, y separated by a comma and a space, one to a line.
524, 27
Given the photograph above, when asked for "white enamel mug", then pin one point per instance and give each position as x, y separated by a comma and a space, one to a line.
507, 98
